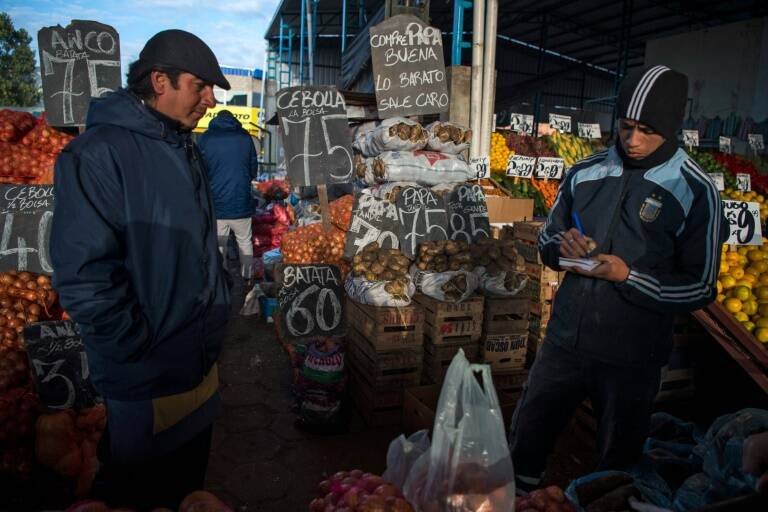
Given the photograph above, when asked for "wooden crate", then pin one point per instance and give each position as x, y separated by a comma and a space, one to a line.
395, 369
510, 381
505, 351
506, 315
537, 326
543, 310
676, 385
437, 358
377, 408
387, 328
538, 291
544, 274
528, 231
529, 251
449, 323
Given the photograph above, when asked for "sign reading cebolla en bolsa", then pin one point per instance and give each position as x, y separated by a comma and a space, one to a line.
315, 133
26, 212
408, 67
77, 62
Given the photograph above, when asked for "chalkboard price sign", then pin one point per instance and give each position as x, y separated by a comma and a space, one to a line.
311, 302
468, 213
744, 221
373, 220
26, 212
77, 62
422, 216
315, 134
408, 67
59, 365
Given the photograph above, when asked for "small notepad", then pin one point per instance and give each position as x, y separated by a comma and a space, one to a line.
581, 263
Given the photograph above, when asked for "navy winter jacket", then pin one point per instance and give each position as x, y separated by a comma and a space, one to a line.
134, 251
232, 163
666, 223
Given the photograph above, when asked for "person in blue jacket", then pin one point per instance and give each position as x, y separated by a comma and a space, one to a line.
653, 222
136, 265
232, 163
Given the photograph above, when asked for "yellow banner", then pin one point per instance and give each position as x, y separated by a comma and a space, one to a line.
245, 115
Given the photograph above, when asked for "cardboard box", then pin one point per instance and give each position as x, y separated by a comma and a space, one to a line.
420, 404
505, 351
508, 209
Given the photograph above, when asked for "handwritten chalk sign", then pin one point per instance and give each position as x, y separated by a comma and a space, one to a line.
521, 123
718, 179
311, 302
521, 166
26, 212
422, 216
724, 144
588, 130
408, 67
743, 182
756, 141
691, 138
77, 62
59, 365
373, 220
744, 221
560, 123
549, 168
315, 135
468, 213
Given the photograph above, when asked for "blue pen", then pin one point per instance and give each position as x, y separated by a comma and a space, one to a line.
577, 222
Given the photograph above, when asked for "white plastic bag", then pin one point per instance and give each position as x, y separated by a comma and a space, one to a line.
497, 285
403, 454
448, 137
468, 467
434, 284
388, 136
373, 293
423, 167
251, 303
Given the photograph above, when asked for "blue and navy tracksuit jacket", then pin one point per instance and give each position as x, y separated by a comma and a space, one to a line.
666, 223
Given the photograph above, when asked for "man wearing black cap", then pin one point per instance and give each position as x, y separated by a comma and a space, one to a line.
136, 264
654, 222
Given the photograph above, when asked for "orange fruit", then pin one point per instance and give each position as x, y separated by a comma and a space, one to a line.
755, 255
732, 304
761, 333
750, 326
737, 273
740, 292
749, 307
728, 281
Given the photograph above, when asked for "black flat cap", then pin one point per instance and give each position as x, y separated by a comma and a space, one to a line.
184, 51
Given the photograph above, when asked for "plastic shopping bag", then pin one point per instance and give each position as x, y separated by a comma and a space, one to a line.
403, 454
468, 467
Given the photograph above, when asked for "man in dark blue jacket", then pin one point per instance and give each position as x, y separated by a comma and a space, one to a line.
231, 159
654, 222
136, 264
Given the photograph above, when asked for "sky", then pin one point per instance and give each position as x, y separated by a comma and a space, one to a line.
234, 29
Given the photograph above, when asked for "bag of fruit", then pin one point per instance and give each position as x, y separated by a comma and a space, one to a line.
468, 466
394, 134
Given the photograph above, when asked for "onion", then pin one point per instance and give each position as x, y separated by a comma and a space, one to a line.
43, 280
25, 276
31, 285
6, 279
33, 309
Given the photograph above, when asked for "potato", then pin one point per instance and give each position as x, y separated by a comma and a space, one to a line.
383, 258
492, 268
506, 264
371, 247
441, 267
402, 260
377, 268
484, 260
451, 247
462, 257
358, 258
454, 265
494, 253
359, 268
370, 276
440, 259
387, 275
422, 265
369, 257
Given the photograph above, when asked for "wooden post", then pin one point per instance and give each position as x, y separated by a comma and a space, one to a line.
325, 208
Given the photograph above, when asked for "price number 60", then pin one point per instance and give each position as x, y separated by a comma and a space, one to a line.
310, 318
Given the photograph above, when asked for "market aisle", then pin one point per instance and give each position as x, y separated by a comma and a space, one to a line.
259, 460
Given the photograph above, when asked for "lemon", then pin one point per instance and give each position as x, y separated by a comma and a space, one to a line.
761, 266
737, 273
733, 305
750, 326
719, 287
724, 267
728, 281
742, 251
761, 292
755, 255
749, 307
732, 258
751, 271
720, 297
762, 321
740, 292
740, 316
761, 333
748, 280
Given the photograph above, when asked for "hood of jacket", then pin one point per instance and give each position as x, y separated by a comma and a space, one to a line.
122, 108
225, 122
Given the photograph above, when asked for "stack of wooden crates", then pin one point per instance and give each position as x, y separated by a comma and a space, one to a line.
542, 285
385, 354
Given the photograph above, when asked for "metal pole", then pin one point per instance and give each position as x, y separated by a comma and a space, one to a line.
301, 44
539, 68
475, 113
458, 28
310, 51
343, 25
489, 74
